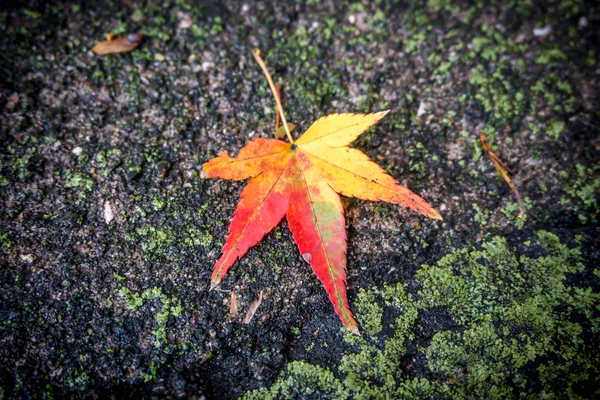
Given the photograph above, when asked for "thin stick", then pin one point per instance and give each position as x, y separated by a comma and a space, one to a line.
259, 60
277, 118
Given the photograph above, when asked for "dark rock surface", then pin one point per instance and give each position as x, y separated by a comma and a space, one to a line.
108, 234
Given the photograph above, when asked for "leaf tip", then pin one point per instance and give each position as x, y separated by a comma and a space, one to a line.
436, 215
213, 285
380, 114
353, 329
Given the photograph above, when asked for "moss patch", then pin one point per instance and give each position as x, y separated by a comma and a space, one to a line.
583, 191
168, 307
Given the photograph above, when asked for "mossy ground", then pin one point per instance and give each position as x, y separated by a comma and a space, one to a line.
516, 329
108, 234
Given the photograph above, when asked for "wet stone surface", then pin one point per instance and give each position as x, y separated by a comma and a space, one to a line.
108, 233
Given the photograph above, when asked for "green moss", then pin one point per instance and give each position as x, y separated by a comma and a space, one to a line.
80, 182
176, 310
169, 306
439, 5
375, 21
151, 375
555, 128
3, 181
420, 159
5, 241
555, 92
19, 165
197, 237
370, 373
496, 89
158, 204
498, 94
302, 379
570, 8
513, 313
133, 301
481, 216
32, 14
369, 312
177, 237
77, 378
583, 190
550, 56
76, 179
316, 84
511, 211
157, 241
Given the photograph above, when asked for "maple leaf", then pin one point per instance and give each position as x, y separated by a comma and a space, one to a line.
301, 181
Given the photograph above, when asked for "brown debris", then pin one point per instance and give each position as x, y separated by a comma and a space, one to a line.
503, 170
233, 304
252, 309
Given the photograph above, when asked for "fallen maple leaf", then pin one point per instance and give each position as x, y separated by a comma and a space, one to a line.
301, 180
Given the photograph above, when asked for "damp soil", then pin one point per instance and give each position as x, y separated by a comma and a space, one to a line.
108, 233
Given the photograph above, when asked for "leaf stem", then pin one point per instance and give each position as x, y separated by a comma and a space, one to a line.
259, 60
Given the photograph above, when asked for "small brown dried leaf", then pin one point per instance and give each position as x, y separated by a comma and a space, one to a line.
120, 45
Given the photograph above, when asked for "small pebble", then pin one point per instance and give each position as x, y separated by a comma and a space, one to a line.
206, 65
28, 258
541, 32
423, 107
77, 151
108, 212
185, 21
